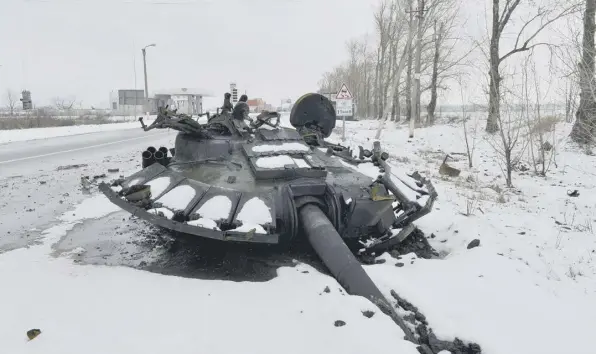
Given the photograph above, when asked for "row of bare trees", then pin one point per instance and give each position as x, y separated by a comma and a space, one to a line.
413, 49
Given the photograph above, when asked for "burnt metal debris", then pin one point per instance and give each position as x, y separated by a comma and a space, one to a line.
260, 182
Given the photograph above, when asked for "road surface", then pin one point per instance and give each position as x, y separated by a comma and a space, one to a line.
33, 191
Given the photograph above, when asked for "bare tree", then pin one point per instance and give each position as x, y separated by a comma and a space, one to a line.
546, 146
65, 104
383, 26
437, 38
510, 143
585, 123
446, 52
541, 147
570, 94
470, 141
567, 69
397, 74
542, 17
11, 101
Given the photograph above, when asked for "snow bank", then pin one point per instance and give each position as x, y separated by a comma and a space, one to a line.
13, 135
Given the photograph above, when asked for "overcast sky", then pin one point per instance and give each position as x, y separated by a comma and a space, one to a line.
272, 48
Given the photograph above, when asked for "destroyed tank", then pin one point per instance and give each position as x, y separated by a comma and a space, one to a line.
266, 183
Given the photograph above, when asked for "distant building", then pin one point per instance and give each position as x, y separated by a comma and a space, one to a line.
256, 104
132, 102
127, 102
26, 99
185, 100
234, 92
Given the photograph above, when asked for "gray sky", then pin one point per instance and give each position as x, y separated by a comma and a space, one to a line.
272, 48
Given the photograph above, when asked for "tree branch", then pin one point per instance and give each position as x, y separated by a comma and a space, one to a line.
506, 15
525, 46
523, 49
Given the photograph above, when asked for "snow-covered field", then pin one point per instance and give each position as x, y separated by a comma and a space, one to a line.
530, 287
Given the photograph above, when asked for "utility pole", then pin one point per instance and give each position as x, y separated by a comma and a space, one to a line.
145, 71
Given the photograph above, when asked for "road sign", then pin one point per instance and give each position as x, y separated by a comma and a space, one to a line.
343, 102
343, 108
344, 93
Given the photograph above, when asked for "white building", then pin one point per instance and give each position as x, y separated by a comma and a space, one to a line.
186, 100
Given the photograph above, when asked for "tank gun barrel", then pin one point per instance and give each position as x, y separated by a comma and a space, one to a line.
342, 263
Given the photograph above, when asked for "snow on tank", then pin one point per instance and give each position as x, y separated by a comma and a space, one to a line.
281, 147
158, 186
216, 208
178, 198
280, 161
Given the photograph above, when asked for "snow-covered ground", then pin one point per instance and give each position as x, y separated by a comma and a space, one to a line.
119, 310
530, 287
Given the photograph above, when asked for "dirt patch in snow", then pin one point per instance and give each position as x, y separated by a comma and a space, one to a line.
417, 243
121, 240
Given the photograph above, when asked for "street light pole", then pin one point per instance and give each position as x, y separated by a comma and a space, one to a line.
145, 71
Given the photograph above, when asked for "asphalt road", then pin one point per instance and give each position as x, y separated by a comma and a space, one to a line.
24, 157
34, 191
